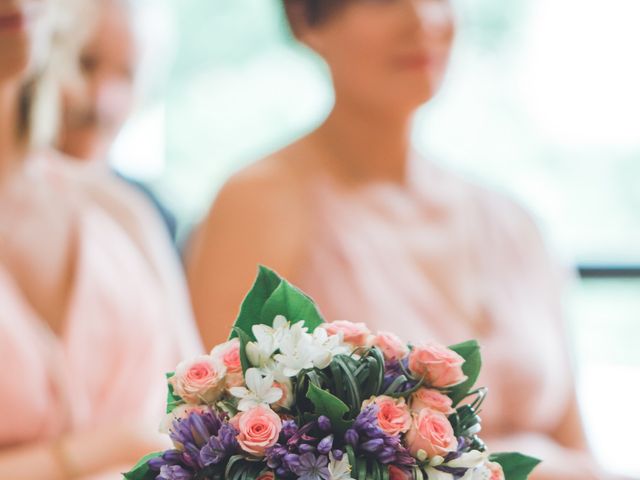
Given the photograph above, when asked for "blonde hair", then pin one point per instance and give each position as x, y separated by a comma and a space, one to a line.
39, 101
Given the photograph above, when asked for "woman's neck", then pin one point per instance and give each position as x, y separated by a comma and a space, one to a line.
9, 147
363, 144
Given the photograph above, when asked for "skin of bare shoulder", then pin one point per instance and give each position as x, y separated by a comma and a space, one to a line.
260, 217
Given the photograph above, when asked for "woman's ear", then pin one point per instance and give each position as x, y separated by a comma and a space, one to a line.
296, 14
304, 32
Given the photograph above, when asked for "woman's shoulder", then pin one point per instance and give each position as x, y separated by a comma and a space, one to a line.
268, 190
260, 215
494, 205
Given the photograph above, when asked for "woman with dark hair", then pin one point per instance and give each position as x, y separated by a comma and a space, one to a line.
375, 233
93, 309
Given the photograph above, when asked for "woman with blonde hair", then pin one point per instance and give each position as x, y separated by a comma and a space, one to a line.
93, 308
378, 234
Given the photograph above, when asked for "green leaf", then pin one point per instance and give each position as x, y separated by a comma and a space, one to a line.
515, 465
385, 472
417, 473
330, 406
244, 340
173, 400
352, 391
362, 469
470, 351
294, 305
242, 468
352, 460
142, 471
271, 296
265, 284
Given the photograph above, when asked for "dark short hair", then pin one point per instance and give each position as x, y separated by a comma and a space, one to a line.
313, 12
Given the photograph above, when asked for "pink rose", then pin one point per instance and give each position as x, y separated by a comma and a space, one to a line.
496, 471
267, 476
394, 417
391, 345
356, 334
199, 380
396, 473
286, 401
439, 366
432, 399
259, 429
229, 355
431, 432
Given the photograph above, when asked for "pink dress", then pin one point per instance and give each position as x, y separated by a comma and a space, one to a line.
448, 261
127, 321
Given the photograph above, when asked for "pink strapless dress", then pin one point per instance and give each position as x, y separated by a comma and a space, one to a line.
120, 337
447, 261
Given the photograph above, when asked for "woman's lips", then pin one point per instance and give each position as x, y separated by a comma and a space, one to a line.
11, 22
415, 61
418, 62
421, 62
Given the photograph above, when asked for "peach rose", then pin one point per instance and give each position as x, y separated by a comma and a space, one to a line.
432, 399
396, 473
394, 417
356, 334
391, 345
229, 355
259, 429
199, 380
234, 380
267, 476
431, 432
496, 471
287, 394
438, 365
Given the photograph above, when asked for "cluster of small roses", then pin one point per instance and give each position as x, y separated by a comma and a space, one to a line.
256, 410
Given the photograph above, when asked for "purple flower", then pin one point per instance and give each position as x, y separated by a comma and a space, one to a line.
393, 370
201, 440
174, 472
325, 445
303, 452
291, 461
289, 429
367, 423
338, 454
373, 446
306, 448
195, 430
313, 468
324, 423
220, 448
352, 437
366, 437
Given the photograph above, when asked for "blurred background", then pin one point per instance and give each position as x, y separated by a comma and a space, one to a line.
543, 102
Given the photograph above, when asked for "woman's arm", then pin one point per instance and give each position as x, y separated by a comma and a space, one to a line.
564, 451
82, 454
257, 219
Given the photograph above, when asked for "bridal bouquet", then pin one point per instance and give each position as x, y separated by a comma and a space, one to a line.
290, 396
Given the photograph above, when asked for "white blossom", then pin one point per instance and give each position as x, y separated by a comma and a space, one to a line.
268, 340
260, 390
472, 460
339, 469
